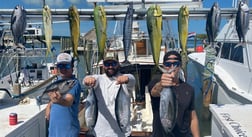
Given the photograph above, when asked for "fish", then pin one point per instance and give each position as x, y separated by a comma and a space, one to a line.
74, 24
62, 86
127, 32
91, 111
242, 21
88, 56
18, 23
122, 109
213, 22
47, 23
168, 107
100, 23
183, 18
154, 26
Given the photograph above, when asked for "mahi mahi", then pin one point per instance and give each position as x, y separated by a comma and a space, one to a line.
47, 23
127, 31
18, 23
91, 111
183, 18
100, 22
154, 26
168, 108
122, 109
74, 23
242, 20
213, 22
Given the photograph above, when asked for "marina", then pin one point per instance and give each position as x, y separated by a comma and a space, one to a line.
222, 81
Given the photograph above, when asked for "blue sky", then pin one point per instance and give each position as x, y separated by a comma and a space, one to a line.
197, 26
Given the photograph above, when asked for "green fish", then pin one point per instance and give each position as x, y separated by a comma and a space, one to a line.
100, 22
74, 22
183, 18
154, 25
47, 23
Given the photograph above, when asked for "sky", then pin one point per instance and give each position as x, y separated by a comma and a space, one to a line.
197, 26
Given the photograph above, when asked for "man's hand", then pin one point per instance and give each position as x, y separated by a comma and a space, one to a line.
89, 81
55, 96
168, 79
122, 79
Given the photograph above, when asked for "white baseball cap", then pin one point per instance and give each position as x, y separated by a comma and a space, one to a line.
64, 58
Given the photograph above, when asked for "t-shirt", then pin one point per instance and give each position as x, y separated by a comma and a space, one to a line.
185, 97
64, 120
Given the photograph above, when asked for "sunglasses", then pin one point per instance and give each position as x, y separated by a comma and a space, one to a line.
169, 64
110, 63
64, 66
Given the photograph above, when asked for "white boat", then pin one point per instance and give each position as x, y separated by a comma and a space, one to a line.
232, 74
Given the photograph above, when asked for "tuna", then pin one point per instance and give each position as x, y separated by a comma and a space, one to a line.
242, 21
47, 23
122, 109
74, 24
100, 22
183, 18
91, 111
213, 22
62, 86
127, 31
18, 23
154, 26
168, 108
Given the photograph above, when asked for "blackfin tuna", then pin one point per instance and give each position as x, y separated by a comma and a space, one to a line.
242, 21
91, 111
127, 31
213, 22
168, 108
18, 23
62, 86
122, 109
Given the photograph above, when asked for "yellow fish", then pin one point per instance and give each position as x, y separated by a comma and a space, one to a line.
100, 22
47, 23
183, 18
154, 25
74, 23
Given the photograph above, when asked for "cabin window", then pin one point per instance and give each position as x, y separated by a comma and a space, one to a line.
232, 52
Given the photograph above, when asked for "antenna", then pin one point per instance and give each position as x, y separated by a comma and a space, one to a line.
43, 2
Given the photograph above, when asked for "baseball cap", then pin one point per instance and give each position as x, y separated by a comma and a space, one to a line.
64, 58
110, 56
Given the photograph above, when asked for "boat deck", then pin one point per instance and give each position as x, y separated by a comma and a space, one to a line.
231, 120
27, 116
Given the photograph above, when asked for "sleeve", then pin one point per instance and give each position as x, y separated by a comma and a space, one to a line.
131, 83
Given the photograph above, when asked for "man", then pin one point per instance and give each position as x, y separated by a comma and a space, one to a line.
187, 121
106, 87
62, 111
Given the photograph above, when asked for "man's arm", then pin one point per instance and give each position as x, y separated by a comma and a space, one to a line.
194, 124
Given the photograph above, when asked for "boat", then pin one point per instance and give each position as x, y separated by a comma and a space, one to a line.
231, 75
24, 74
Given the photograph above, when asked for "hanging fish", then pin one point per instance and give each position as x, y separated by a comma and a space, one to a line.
127, 32
100, 22
47, 23
74, 23
183, 18
18, 23
213, 22
242, 21
154, 26
91, 112
122, 109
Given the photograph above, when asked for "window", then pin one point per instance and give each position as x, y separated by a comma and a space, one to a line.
232, 52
